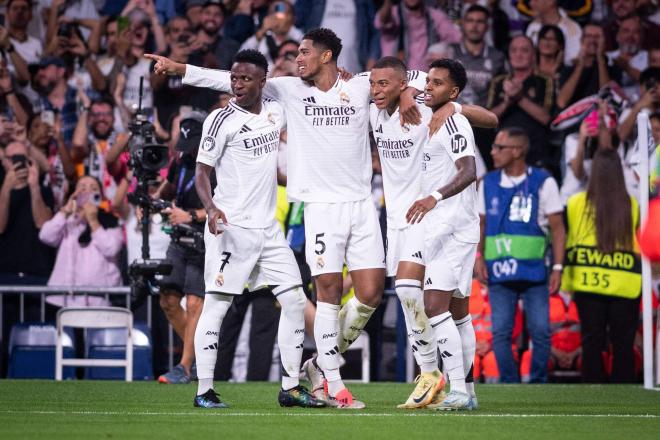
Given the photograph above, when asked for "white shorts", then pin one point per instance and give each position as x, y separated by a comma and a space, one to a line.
405, 244
342, 232
256, 257
449, 265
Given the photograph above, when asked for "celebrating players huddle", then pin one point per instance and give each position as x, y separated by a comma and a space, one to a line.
427, 154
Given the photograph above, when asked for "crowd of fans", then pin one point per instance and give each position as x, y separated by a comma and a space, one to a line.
70, 75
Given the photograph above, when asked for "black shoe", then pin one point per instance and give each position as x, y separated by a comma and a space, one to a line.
299, 396
209, 399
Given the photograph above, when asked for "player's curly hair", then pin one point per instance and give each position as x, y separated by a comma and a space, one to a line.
252, 56
326, 39
455, 69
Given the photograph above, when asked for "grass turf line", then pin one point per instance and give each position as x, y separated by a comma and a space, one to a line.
91, 409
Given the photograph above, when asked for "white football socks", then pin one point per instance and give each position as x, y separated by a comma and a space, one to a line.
291, 332
469, 345
326, 335
206, 337
449, 346
353, 316
420, 335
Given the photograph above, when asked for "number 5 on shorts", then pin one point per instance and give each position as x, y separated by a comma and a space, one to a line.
320, 242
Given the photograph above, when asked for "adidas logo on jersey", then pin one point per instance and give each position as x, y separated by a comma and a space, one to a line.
380, 128
418, 254
310, 100
445, 354
213, 346
245, 129
428, 281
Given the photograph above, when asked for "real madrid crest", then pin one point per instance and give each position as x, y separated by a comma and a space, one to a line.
320, 262
271, 118
343, 97
406, 128
208, 144
219, 280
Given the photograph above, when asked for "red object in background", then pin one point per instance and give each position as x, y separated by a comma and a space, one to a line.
649, 235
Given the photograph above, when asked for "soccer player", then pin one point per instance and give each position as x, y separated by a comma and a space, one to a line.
451, 225
329, 169
244, 242
400, 151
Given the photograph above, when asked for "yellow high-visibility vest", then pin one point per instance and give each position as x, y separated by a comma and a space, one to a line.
586, 269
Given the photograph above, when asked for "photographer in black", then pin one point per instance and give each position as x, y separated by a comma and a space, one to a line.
187, 277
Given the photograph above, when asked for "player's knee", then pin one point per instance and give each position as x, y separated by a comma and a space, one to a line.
194, 304
293, 300
169, 301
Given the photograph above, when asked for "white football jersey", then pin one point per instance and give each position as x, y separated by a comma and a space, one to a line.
400, 151
242, 146
328, 153
456, 215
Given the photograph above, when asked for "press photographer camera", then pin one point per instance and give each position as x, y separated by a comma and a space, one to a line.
183, 234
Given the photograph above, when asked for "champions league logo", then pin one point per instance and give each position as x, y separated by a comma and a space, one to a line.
208, 144
494, 206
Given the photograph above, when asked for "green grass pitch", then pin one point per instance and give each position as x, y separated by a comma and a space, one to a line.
118, 410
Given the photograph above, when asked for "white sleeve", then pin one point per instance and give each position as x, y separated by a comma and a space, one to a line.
481, 198
549, 199
457, 137
417, 79
207, 78
214, 138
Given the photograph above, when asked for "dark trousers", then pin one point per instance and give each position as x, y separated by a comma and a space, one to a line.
602, 319
263, 330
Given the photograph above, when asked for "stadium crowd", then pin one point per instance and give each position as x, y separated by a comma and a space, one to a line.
566, 79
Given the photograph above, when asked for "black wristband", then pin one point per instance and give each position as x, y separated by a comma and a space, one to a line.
193, 215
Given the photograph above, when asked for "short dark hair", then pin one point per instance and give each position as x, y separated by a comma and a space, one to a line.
393, 63
559, 34
252, 56
477, 8
326, 39
103, 99
655, 115
456, 71
517, 132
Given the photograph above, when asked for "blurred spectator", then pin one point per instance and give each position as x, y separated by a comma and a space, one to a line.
52, 154
21, 48
211, 49
410, 27
437, 51
285, 63
144, 25
525, 99
55, 95
74, 12
550, 51
482, 62
629, 57
548, 12
88, 239
276, 28
12, 103
246, 19
96, 147
648, 102
187, 277
194, 13
601, 227
590, 72
621, 10
595, 132
654, 57
352, 21
485, 364
25, 205
579, 10
519, 206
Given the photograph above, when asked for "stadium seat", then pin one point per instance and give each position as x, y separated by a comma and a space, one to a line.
32, 351
110, 343
96, 317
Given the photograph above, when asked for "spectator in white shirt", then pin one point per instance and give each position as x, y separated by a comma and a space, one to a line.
548, 12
